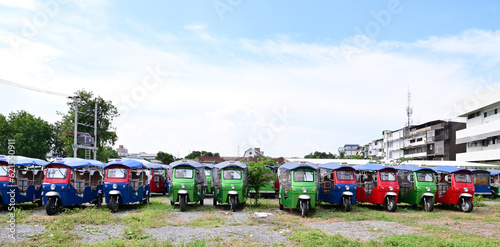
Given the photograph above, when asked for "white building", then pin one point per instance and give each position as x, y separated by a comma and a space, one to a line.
253, 152
394, 143
376, 149
482, 133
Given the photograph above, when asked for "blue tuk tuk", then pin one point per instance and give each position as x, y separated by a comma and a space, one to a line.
127, 181
72, 181
337, 185
21, 179
481, 182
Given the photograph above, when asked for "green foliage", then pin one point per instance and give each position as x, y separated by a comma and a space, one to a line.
259, 174
165, 158
106, 133
375, 161
195, 154
320, 155
31, 135
399, 161
106, 154
314, 237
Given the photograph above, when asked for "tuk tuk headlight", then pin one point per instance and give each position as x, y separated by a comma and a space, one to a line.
391, 188
183, 186
428, 189
232, 187
466, 189
52, 186
347, 187
115, 186
304, 190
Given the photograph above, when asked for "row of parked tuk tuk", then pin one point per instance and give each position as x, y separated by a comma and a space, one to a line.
300, 185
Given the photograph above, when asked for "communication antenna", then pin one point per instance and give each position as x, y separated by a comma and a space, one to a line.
409, 112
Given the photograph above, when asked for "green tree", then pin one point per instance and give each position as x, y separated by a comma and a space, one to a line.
106, 154
195, 154
259, 174
320, 155
399, 161
165, 158
106, 133
375, 161
31, 135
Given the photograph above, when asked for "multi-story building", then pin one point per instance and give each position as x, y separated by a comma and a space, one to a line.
375, 150
433, 140
482, 134
349, 149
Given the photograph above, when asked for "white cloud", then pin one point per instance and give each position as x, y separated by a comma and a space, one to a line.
25, 4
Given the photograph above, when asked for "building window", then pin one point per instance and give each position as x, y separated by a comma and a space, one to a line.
419, 139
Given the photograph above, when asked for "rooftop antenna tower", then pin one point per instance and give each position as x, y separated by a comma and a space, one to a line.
409, 111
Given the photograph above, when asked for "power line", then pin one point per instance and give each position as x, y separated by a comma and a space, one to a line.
14, 84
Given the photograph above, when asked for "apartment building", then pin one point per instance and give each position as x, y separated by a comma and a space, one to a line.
482, 134
375, 149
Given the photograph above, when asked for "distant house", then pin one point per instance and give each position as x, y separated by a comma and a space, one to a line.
349, 149
253, 152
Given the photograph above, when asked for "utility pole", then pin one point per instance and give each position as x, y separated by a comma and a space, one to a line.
75, 103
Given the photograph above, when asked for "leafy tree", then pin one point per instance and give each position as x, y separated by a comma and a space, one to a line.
31, 135
259, 174
106, 154
399, 161
165, 158
195, 154
106, 133
320, 155
375, 161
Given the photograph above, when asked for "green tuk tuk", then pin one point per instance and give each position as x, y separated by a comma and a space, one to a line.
495, 183
230, 183
417, 186
188, 183
208, 174
298, 186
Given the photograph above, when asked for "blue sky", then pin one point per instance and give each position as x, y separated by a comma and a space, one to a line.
290, 77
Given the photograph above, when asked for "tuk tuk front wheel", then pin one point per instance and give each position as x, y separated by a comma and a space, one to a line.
232, 201
99, 200
146, 200
281, 205
346, 203
52, 206
428, 204
182, 202
391, 204
113, 204
466, 205
493, 195
304, 206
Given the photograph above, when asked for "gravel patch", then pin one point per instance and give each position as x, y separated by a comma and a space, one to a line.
22, 233
484, 229
93, 234
364, 230
181, 234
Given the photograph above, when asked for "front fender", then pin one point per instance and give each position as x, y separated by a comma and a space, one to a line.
347, 193
427, 195
304, 197
466, 195
52, 194
182, 192
390, 194
115, 193
232, 192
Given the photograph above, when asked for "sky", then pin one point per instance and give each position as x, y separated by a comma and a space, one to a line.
289, 77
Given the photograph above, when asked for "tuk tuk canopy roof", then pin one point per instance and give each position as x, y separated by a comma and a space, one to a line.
333, 166
209, 166
156, 166
494, 172
191, 163
166, 167
480, 171
372, 167
413, 168
130, 163
77, 162
449, 169
298, 164
23, 161
226, 164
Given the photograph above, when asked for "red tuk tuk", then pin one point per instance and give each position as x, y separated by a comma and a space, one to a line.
377, 184
455, 187
158, 179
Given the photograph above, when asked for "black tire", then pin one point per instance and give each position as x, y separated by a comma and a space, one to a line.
233, 202
146, 200
466, 205
113, 204
202, 201
281, 205
52, 206
493, 195
98, 202
346, 203
391, 204
428, 204
38, 203
172, 202
304, 206
215, 200
182, 202
164, 192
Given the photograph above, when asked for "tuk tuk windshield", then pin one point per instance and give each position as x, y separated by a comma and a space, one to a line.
117, 173
303, 176
425, 177
345, 175
232, 174
463, 178
208, 173
183, 173
57, 172
159, 172
4, 171
388, 176
482, 179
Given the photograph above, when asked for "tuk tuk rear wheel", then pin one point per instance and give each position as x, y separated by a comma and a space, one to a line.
281, 205
391, 204
113, 204
52, 206
146, 200
99, 201
232, 201
428, 204
493, 195
304, 205
346, 203
182, 202
466, 205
